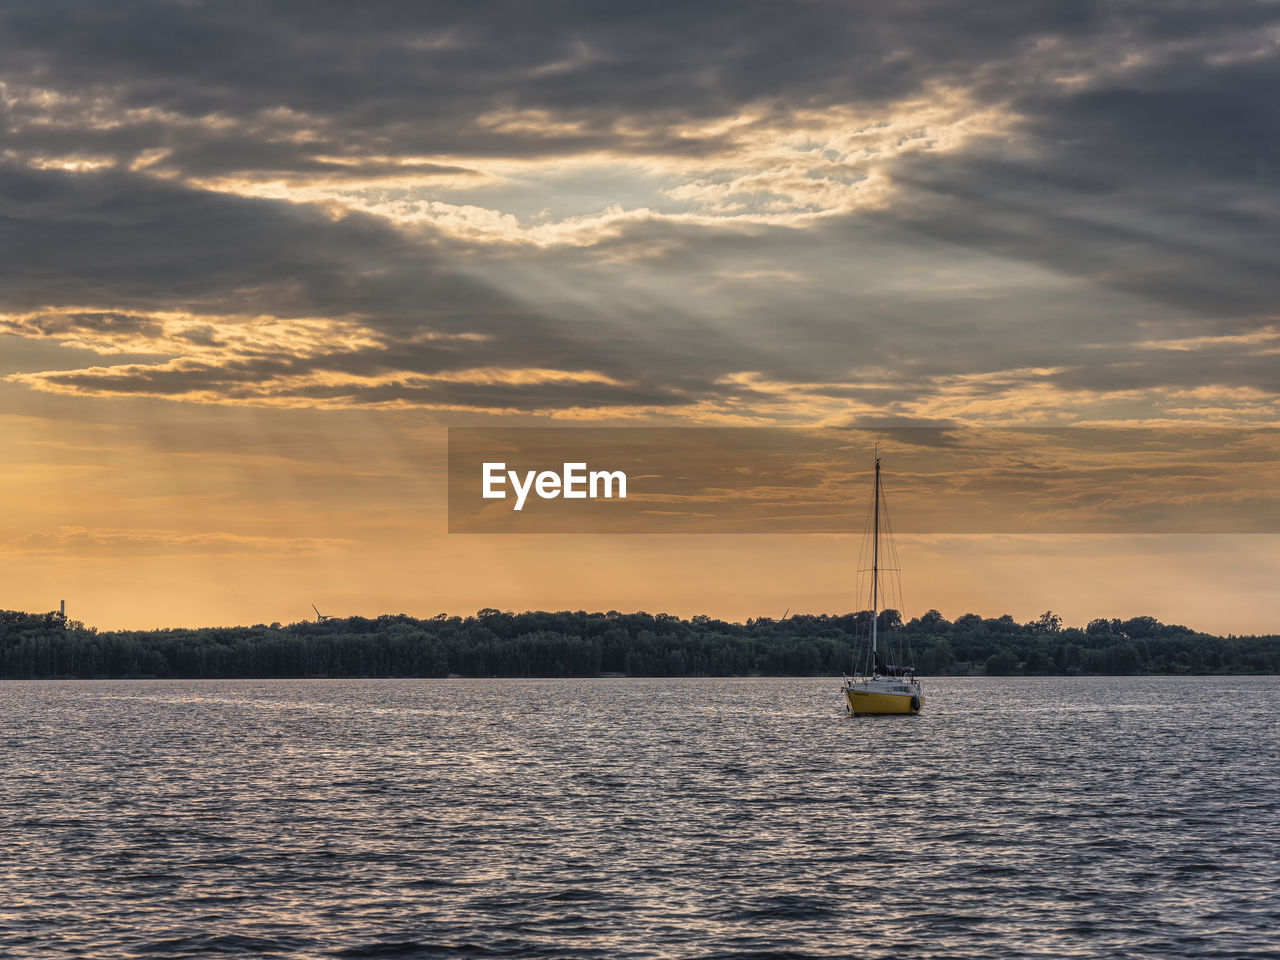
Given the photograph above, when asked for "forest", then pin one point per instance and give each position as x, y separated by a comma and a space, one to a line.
493, 643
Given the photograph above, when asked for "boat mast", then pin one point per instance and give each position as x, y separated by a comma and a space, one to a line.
875, 569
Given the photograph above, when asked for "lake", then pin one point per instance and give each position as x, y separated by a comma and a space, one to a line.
700, 818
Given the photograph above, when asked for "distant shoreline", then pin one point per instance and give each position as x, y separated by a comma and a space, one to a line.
614, 676
494, 643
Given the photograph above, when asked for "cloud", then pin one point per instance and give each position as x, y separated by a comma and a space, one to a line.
718, 212
110, 544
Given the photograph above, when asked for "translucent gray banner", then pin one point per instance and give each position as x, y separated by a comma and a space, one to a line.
937, 480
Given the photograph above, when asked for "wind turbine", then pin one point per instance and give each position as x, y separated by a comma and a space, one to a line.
320, 617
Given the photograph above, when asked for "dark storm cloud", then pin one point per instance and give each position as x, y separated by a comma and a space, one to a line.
1138, 163
371, 62
123, 239
1215, 262
80, 238
405, 79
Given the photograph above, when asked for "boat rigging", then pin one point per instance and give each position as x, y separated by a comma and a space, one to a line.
877, 687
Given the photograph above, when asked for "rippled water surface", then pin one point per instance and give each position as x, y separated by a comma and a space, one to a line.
638, 818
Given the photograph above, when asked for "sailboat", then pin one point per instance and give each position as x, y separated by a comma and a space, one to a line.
877, 686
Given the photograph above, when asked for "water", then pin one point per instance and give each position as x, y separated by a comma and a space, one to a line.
638, 818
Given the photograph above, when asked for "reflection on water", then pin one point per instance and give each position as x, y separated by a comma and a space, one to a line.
638, 818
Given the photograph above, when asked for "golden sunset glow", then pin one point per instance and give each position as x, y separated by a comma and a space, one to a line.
247, 290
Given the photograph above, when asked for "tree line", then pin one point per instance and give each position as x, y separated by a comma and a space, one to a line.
494, 643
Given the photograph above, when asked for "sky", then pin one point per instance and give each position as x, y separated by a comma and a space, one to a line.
258, 258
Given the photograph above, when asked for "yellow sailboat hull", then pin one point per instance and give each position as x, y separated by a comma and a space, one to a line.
865, 702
